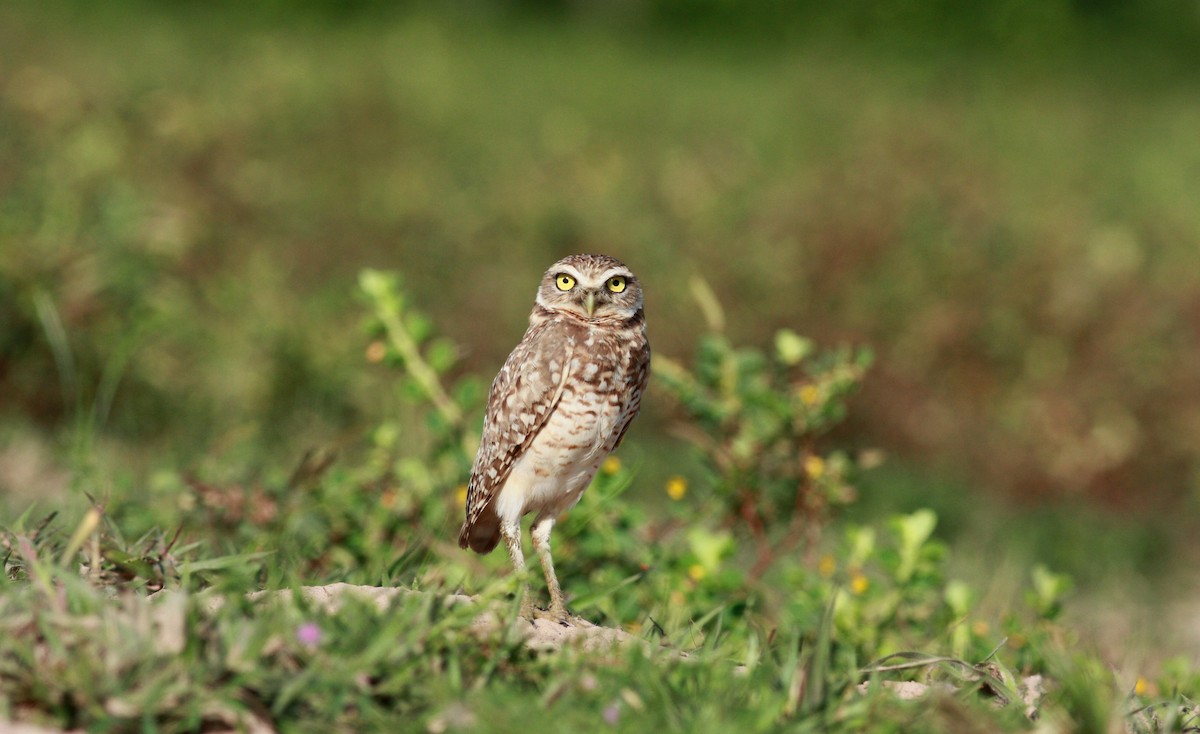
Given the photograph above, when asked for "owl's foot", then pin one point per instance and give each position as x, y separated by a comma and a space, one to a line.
558, 614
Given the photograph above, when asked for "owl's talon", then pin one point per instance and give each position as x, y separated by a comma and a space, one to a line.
560, 615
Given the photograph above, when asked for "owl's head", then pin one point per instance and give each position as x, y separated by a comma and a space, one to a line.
591, 287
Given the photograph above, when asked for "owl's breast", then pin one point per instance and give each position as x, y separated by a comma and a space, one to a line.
580, 432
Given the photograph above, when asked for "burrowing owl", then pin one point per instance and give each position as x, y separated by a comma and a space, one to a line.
559, 406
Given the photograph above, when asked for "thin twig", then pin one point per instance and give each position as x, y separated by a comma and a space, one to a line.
419, 368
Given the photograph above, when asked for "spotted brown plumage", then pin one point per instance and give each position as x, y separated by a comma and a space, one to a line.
560, 404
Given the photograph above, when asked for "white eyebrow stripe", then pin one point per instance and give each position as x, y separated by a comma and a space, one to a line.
569, 270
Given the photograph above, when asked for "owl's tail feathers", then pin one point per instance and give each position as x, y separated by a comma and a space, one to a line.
482, 535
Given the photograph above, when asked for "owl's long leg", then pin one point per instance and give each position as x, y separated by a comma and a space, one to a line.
540, 532
511, 532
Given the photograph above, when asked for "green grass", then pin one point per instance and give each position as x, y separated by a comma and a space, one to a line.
109, 632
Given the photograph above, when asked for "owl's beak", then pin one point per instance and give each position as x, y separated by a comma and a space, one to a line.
589, 303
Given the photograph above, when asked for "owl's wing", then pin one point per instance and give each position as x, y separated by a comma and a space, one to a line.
521, 399
641, 376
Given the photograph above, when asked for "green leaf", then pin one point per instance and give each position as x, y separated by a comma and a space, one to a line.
469, 394
862, 545
419, 326
959, 597
383, 288
913, 531
709, 547
791, 348
441, 355
1049, 590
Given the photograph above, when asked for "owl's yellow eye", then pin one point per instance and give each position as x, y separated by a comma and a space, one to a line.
564, 282
616, 284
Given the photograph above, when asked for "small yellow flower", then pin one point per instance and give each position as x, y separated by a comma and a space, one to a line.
859, 583
633, 627
814, 466
696, 572
611, 466
676, 488
980, 628
1143, 687
810, 395
376, 351
827, 566
460, 495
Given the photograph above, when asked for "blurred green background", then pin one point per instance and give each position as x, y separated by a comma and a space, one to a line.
1000, 199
